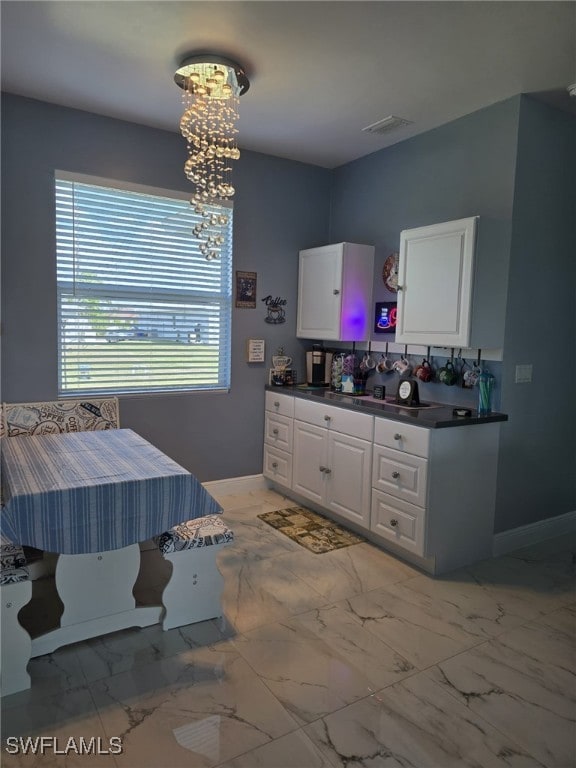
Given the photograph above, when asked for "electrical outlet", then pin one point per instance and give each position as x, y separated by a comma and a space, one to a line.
523, 374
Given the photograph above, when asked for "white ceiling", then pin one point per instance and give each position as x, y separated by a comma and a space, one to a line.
320, 71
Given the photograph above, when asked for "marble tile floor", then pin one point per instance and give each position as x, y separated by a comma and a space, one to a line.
347, 659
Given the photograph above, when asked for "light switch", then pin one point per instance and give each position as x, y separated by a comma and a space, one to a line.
523, 374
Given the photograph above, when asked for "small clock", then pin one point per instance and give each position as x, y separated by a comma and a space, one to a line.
407, 392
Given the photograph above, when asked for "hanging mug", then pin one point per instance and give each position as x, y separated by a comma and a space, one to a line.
403, 367
368, 363
384, 364
424, 371
447, 374
471, 376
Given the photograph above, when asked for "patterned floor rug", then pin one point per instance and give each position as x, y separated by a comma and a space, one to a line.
316, 533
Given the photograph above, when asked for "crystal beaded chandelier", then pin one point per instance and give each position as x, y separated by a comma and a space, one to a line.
212, 87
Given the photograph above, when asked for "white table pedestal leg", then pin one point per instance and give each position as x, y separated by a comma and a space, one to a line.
16, 644
97, 584
96, 590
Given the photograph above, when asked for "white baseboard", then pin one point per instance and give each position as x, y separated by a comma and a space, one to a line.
233, 485
526, 535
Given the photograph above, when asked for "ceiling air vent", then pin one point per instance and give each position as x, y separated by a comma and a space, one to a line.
387, 124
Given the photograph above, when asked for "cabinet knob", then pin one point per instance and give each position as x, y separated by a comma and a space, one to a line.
322, 469
400, 288
274, 431
276, 404
393, 523
274, 465
395, 475
327, 418
336, 292
328, 471
397, 436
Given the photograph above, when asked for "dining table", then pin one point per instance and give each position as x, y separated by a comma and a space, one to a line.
92, 497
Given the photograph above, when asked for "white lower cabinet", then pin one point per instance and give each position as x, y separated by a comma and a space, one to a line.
278, 431
333, 470
400, 484
398, 521
429, 493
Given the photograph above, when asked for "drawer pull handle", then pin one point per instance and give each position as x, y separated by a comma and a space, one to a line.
327, 418
276, 404
395, 475
393, 523
274, 465
397, 436
274, 431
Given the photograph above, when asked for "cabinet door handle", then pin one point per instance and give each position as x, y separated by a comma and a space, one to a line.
395, 474
336, 292
397, 436
327, 418
274, 431
276, 404
274, 465
393, 523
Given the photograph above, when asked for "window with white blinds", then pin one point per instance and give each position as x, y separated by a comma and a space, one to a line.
140, 309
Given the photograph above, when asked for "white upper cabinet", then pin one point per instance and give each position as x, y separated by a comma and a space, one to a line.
335, 292
436, 285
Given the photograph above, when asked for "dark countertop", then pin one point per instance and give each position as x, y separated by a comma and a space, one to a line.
430, 415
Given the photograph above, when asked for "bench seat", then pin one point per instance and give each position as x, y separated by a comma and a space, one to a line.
194, 590
16, 644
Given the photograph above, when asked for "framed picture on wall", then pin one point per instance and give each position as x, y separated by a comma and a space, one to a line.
246, 290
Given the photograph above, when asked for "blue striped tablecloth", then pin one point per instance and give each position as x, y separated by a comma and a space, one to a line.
93, 491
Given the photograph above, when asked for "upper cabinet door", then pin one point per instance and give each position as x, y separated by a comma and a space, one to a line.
435, 284
320, 292
335, 292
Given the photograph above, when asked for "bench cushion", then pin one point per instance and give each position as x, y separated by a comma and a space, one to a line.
12, 563
201, 532
59, 416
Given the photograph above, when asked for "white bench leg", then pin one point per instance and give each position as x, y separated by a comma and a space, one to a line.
16, 645
194, 592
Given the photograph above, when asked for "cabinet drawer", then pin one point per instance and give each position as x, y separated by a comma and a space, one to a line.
277, 465
402, 437
359, 425
400, 474
281, 404
398, 521
278, 431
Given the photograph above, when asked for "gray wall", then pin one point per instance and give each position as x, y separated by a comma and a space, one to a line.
537, 473
513, 164
281, 206
464, 168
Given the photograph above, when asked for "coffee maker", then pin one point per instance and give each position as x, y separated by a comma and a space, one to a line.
318, 366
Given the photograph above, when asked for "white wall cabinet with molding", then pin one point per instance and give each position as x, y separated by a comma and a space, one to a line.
335, 284
446, 296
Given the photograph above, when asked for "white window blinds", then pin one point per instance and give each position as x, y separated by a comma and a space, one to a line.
140, 309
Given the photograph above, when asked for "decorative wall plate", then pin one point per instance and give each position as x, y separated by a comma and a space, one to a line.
390, 272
